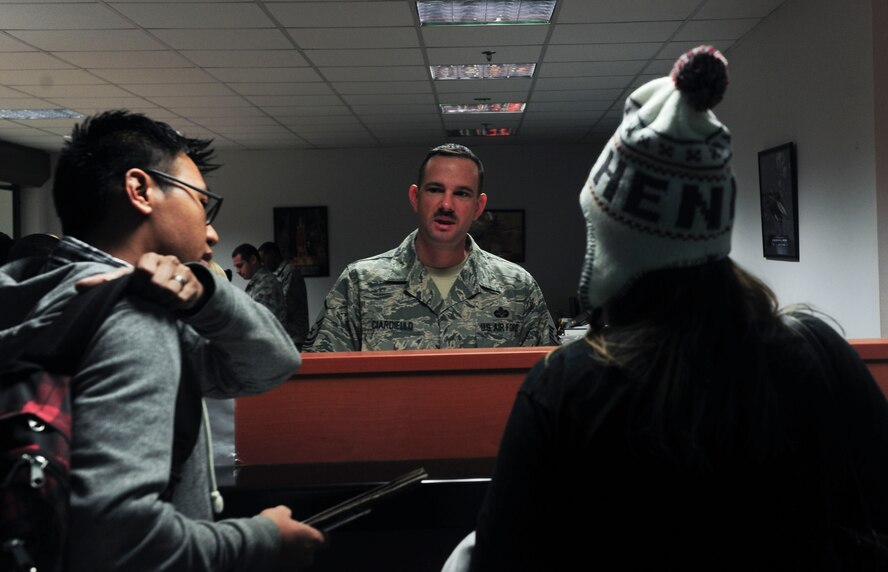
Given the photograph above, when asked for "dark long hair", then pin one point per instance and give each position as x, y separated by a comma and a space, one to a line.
697, 340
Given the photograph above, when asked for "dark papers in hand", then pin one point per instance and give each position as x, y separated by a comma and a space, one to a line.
361, 504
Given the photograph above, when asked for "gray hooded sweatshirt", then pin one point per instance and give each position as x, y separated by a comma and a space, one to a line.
124, 415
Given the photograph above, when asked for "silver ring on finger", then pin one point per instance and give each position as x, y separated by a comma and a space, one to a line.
180, 279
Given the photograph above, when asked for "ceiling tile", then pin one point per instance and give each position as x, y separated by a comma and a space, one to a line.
30, 61
227, 39
362, 110
200, 112
398, 98
737, 8
147, 90
374, 87
605, 95
10, 44
97, 90
574, 69
484, 36
116, 59
341, 14
376, 73
715, 29
445, 87
505, 55
613, 33
77, 41
292, 88
48, 77
197, 15
264, 75
381, 57
352, 38
468, 98
82, 16
176, 101
297, 122
603, 82
307, 111
601, 52
279, 100
625, 10
93, 104
156, 76
245, 58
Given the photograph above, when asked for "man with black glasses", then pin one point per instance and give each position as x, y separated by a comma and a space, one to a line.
131, 197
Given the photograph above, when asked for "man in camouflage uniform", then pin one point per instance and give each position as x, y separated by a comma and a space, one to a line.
295, 295
262, 287
438, 289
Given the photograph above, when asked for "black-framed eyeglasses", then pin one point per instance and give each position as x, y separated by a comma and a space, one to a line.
214, 201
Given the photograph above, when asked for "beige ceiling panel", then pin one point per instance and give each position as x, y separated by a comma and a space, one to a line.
196, 15
8, 44
99, 103
601, 52
606, 95
737, 9
30, 61
396, 98
78, 41
376, 73
469, 98
20, 102
235, 121
484, 36
575, 69
366, 110
198, 113
383, 57
225, 39
614, 33
285, 100
573, 12
116, 59
381, 87
75, 16
503, 55
414, 120
292, 88
75, 91
299, 122
178, 89
559, 83
569, 105
340, 38
10, 92
341, 14
155, 76
285, 111
174, 101
517, 85
245, 58
48, 77
265, 75
715, 29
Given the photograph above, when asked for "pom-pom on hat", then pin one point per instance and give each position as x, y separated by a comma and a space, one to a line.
661, 194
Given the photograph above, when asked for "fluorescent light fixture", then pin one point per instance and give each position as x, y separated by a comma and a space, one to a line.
481, 132
477, 12
482, 71
513, 107
39, 114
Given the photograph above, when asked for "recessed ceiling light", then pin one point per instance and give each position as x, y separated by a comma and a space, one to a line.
482, 71
481, 132
39, 114
477, 12
513, 107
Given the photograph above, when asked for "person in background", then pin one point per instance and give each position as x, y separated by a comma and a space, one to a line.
696, 426
438, 289
295, 294
262, 287
132, 198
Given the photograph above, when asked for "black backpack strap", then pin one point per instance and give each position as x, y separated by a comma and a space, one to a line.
61, 347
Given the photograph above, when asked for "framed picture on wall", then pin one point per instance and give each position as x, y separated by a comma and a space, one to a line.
301, 234
779, 202
501, 232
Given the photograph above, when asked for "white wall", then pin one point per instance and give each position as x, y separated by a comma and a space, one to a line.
805, 76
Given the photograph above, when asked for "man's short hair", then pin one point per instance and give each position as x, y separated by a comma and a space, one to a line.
271, 247
452, 150
246, 251
99, 152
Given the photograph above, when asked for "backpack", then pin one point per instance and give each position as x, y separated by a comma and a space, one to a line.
35, 433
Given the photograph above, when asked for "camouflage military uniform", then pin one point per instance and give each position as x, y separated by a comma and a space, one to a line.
296, 300
264, 288
389, 301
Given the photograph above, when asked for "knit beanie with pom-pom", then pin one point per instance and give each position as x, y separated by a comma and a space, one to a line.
661, 195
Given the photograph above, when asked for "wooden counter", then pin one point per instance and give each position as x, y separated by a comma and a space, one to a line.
441, 406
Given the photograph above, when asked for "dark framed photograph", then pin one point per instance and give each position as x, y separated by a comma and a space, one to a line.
301, 234
501, 232
780, 202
